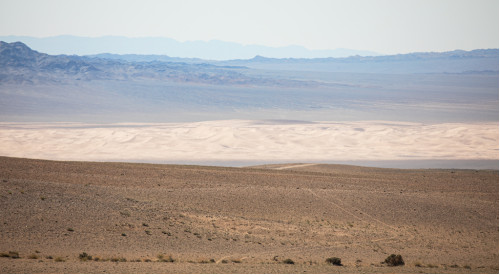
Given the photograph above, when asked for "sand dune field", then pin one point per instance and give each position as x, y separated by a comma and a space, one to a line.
137, 218
250, 140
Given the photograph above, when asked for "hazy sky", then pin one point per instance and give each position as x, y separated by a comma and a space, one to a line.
384, 26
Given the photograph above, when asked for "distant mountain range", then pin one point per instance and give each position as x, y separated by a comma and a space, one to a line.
19, 64
458, 61
209, 50
450, 86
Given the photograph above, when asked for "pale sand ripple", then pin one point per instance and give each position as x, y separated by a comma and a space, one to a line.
250, 140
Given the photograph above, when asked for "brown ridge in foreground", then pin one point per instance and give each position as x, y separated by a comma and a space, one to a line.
92, 217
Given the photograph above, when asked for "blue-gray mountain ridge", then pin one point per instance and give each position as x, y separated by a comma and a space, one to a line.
18, 62
452, 86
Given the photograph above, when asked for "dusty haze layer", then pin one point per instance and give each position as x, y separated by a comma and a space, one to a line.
250, 140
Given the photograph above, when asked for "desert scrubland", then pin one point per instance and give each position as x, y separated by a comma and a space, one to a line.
136, 218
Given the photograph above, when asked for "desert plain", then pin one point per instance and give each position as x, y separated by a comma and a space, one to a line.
154, 218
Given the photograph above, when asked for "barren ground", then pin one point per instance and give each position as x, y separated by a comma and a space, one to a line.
244, 220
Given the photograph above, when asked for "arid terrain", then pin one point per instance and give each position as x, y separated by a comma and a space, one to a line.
138, 218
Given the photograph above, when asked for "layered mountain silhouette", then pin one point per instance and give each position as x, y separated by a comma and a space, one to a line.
19, 64
210, 50
436, 87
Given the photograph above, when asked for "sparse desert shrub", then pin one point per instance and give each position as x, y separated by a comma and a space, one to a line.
49, 257
418, 264
59, 259
288, 261
466, 266
33, 256
224, 261
165, 259
148, 232
334, 261
394, 260
11, 254
454, 266
125, 213
124, 235
116, 259
85, 257
169, 259
431, 266
147, 260
132, 200
71, 229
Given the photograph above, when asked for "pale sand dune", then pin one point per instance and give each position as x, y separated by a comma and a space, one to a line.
250, 140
